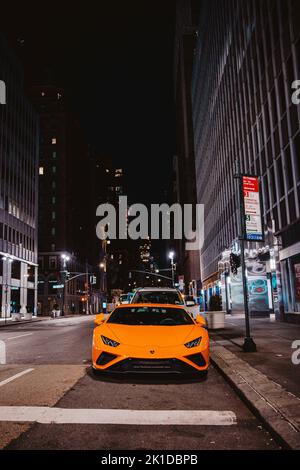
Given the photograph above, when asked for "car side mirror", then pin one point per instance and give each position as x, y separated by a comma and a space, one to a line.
99, 319
190, 303
201, 321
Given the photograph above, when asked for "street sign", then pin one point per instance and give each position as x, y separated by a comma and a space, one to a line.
58, 286
252, 208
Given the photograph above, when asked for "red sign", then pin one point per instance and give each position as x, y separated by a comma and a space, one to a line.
252, 208
250, 183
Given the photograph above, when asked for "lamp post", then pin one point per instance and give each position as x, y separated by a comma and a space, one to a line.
171, 257
7, 260
249, 344
102, 267
65, 258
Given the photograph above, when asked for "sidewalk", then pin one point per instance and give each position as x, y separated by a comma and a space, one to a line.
10, 322
267, 380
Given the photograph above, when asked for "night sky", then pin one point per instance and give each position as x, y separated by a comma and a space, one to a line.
115, 59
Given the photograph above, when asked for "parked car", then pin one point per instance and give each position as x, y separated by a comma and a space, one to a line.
142, 338
126, 298
165, 295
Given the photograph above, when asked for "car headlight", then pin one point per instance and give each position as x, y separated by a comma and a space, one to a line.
109, 342
194, 343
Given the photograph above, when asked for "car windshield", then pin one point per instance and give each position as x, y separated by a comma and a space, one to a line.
151, 316
158, 297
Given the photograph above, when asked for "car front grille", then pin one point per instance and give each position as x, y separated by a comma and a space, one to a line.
152, 365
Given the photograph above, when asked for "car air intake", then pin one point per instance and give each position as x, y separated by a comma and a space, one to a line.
105, 358
198, 359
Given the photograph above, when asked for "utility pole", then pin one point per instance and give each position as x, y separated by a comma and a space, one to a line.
249, 344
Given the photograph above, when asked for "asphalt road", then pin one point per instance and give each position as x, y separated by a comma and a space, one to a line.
48, 375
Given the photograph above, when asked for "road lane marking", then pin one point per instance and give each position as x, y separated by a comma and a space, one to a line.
47, 415
13, 377
19, 336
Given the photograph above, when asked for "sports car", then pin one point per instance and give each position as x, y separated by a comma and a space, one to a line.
157, 338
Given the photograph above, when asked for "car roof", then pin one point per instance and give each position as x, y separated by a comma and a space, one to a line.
142, 304
157, 289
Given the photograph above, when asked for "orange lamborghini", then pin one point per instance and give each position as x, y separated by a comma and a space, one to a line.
156, 338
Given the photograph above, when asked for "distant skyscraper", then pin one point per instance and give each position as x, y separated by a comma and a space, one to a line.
63, 199
187, 16
247, 56
18, 192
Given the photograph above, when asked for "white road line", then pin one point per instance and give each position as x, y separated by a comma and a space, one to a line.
46, 415
13, 377
15, 337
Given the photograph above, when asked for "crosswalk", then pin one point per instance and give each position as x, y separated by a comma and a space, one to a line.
53, 415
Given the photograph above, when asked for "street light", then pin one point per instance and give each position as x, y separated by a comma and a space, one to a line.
65, 258
171, 257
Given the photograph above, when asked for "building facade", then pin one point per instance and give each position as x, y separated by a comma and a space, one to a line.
18, 192
247, 57
184, 190
63, 200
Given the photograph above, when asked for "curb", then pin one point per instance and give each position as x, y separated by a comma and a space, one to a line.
39, 319
278, 409
21, 322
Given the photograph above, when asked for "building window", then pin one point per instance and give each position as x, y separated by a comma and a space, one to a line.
53, 140
52, 262
118, 172
53, 199
41, 170
53, 215
54, 155
54, 169
41, 262
52, 246
53, 231
53, 184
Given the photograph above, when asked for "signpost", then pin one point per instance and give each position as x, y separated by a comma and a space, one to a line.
251, 229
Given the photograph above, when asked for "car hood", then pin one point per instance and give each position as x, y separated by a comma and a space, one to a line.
163, 336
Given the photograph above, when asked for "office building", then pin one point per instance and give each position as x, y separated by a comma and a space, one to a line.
18, 193
246, 59
184, 190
